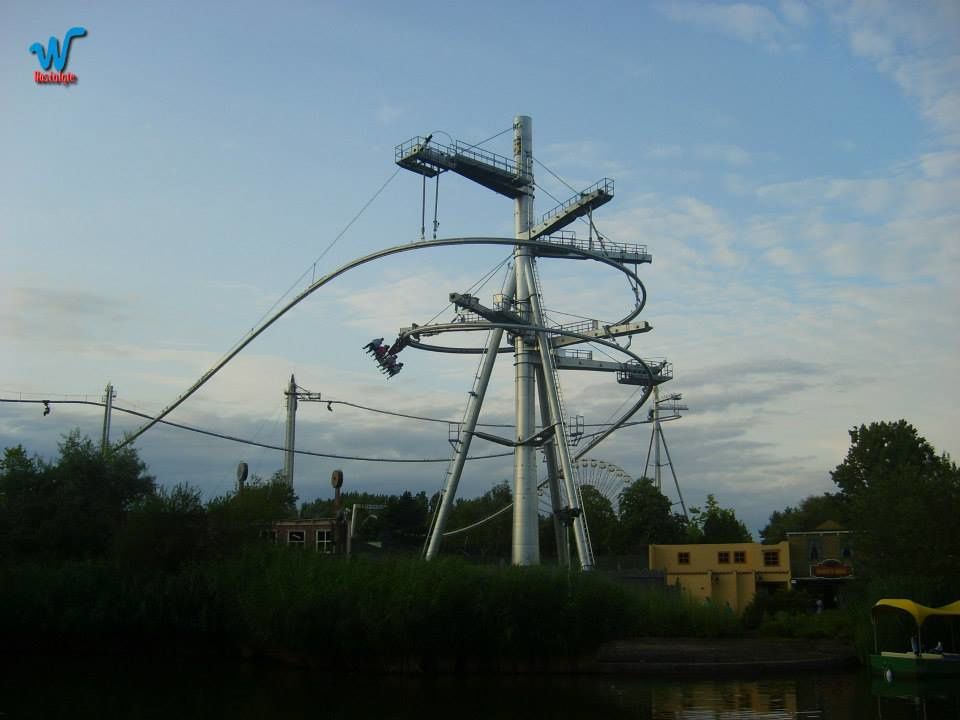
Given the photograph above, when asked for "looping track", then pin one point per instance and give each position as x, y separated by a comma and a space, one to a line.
637, 287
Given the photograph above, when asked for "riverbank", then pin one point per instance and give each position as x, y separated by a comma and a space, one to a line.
720, 656
404, 616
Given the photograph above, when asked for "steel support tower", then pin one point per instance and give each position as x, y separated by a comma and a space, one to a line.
663, 410
536, 353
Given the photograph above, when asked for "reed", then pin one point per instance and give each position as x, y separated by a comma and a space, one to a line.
364, 612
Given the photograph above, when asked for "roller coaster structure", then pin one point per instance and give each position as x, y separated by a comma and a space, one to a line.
540, 350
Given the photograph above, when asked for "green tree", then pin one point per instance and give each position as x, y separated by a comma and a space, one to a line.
404, 519
601, 519
646, 517
26, 500
164, 529
490, 539
75, 506
810, 513
241, 517
323, 507
903, 499
715, 524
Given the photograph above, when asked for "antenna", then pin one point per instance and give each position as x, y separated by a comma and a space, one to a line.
663, 410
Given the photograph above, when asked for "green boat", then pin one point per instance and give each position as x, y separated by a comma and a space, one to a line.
927, 656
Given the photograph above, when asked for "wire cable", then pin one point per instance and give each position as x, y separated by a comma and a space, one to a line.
407, 415
254, 443
313, 267
492, 137
484, 279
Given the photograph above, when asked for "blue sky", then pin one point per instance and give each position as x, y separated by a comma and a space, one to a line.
793, 167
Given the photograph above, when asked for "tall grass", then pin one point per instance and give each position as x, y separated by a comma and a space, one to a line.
365, 612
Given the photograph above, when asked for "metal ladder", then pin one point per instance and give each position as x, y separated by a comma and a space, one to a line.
563, 426
455, 446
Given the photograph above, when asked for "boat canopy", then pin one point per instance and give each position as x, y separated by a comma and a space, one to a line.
918, 612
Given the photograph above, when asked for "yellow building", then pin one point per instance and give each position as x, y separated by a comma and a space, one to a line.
728, 574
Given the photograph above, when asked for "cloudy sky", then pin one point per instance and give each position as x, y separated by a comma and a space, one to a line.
794, 169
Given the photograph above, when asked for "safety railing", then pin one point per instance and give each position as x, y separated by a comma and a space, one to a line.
603, 186
458, 149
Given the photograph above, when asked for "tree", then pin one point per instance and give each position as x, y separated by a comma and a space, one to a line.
241, 517
601, 519
810, 513
404, 519
489, 540
903, 499
164, 529
715, 524
75, 506
646, 517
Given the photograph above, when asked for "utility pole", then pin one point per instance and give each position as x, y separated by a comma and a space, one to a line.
293, 395
291, 440
108, 396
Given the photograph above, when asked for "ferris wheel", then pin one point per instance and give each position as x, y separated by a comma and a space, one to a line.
608, 479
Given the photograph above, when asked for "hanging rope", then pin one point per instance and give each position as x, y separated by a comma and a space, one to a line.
423, 210
436, 201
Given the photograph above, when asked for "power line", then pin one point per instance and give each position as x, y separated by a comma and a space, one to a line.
246, 441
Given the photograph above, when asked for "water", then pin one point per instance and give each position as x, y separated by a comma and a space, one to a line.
135, 689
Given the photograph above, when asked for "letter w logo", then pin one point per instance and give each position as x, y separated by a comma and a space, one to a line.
56, 53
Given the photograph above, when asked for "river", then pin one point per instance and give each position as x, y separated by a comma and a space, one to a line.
135, 689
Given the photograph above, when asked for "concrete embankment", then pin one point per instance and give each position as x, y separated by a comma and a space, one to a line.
695, 656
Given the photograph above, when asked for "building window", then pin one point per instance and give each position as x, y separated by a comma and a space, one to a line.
296, 537
815, 550
740, 556
723, 557
683, 558
324, 542
771, 558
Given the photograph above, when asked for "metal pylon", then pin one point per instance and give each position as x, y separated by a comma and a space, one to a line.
535, 346
531, 352
657, 417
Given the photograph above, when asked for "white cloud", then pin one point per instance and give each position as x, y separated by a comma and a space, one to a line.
388, 113
918, 46
742, 21
796, 12
727, 153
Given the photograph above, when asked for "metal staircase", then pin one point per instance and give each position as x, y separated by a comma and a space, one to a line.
563, 425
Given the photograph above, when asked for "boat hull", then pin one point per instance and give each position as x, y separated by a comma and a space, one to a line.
910, 665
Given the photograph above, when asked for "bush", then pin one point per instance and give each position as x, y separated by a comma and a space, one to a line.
763, 605
830, 624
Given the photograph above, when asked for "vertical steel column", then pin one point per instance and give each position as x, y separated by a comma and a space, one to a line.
107, 411
656, 438
290, 443
466, 432
553, 482
560, 436
526, 536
